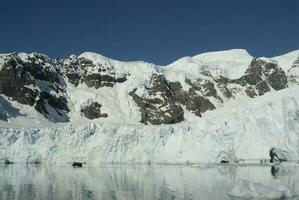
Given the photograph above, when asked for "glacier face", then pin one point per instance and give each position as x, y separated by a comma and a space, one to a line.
255, 107
245, 130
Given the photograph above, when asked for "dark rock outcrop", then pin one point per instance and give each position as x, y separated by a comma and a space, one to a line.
277, 155
261, 76
250, 91
163, 104
160, 107
93, 111
72, 69
207, 84
77, 164
222, 84
13, 78
7, 162
36, 82
224, 161
193, 102
293, 73
83, 70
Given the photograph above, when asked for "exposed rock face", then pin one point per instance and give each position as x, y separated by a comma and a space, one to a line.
222, 84
261, 76
93, 111
293, 73
250, 91
72, 69
160, 106
205, 87
36, 82
207, 84
163, 104
83, 70
13, 79
193, 102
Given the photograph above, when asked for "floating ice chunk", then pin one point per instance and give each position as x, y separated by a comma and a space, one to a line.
250, 190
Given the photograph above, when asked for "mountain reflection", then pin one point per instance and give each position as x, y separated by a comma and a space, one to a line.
122, 182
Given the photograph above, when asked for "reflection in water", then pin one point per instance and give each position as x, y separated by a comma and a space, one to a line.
133, 182
275, 170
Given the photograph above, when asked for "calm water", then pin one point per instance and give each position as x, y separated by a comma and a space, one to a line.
134, 182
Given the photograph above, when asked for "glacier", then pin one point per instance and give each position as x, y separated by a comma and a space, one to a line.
240, 128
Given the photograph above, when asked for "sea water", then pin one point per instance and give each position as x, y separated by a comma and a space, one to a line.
137, 182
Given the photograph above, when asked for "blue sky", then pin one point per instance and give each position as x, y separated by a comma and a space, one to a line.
158, 31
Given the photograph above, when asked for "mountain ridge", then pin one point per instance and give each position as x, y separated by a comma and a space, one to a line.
136, 90
95, 110
292, 53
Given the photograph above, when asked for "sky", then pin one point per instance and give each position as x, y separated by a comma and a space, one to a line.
158, 31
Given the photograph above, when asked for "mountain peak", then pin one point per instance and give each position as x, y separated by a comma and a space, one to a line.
224, 54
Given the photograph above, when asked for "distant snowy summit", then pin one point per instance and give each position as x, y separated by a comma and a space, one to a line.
40, 90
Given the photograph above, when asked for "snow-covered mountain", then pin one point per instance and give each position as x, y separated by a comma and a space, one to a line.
215, 106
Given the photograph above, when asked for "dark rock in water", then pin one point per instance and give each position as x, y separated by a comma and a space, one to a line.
36, 162
224, 161
277, 155
77, 164
275, 171
7, 162
227, 156
93, 111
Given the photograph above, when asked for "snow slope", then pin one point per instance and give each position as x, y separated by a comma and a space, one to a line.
286, 61
230, 63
